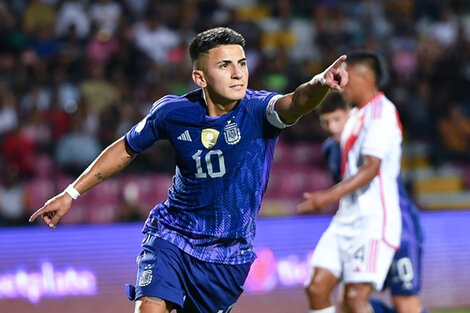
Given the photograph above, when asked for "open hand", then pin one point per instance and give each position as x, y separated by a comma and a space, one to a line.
314, 201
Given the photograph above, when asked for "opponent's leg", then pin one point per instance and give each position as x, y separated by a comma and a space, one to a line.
320, 288
356, 297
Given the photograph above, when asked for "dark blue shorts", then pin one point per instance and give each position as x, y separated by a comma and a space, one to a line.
168, 273
404, 276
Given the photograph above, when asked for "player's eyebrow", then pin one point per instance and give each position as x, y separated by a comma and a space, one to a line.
230, 61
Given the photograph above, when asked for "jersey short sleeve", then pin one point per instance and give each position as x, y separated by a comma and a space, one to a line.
257, 102
150, 129
271, 114
265, 108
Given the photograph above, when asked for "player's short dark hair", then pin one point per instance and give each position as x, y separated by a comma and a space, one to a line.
331, 103
212, 38
372, 61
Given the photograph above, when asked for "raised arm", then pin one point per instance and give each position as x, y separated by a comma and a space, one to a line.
307, 96
113, 159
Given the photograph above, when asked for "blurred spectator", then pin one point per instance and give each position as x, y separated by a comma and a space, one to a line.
416, 115
8, 70
131, 210
72, 13
454, 131
39, 14
102, 47
105, 14
98, 93
137, 7
8, 110
155, 39
7, 19
76, 149
18, 152
58, 117
70, 54
14, 200
37, 129
445, 29
37, 98
43, 42
65, 93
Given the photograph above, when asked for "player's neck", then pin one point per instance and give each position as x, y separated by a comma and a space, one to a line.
367, 96
217, 107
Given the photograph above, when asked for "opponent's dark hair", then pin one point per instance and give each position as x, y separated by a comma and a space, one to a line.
372, 61
331, 103
212, 38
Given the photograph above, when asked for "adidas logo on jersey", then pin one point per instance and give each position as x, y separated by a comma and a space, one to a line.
184, 136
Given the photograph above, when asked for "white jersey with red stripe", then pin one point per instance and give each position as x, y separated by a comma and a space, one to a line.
373, 210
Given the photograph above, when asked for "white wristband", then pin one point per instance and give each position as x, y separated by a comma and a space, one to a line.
319, 78
72, 192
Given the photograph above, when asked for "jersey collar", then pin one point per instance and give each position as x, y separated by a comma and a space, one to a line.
377, 95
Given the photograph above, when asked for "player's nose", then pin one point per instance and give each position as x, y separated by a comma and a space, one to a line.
237, 72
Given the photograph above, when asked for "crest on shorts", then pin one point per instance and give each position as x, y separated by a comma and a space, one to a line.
232, 133
209, 137
145, 278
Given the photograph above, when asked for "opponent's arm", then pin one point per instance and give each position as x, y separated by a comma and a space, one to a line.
307, 96
113, 159
319, 199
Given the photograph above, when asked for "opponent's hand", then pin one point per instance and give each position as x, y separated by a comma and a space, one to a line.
335, 76
53, 209
314, 201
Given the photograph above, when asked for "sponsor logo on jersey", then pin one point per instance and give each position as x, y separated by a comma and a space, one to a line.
209, 137
232, 133
185, 136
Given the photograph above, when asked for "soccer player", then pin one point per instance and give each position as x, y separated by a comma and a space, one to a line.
198, 244
403, 278
359, 245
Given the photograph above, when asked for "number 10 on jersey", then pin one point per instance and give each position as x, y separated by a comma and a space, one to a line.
212, 155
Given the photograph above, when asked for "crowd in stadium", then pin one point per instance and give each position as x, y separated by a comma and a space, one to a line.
77, 74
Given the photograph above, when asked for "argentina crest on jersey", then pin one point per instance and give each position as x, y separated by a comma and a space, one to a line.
232, 133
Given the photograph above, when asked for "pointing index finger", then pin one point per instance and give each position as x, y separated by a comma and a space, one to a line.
339, 61
36, 214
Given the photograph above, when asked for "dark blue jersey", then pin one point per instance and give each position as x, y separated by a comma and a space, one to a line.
411, 226
411, 229
332, 153
222, 169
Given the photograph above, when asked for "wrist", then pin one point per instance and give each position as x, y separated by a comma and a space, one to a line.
334, 195
72, 192
318, 79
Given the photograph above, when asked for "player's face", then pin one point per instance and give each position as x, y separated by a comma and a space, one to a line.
353, 90
333, 122
224, 73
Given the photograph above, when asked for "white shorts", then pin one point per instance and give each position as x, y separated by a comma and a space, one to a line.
354, 259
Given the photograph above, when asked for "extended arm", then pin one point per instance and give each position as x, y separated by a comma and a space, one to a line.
307, 96
113, 159
320, 199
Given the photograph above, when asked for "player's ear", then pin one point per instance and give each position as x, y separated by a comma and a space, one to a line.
198, 78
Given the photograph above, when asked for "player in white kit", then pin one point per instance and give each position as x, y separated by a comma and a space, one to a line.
358, 246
